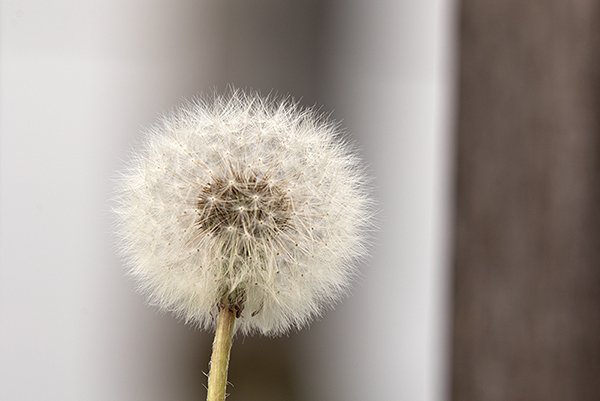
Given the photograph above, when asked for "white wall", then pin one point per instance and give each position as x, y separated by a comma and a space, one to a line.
79, 80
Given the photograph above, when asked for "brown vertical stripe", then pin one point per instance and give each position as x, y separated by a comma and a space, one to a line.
527, 251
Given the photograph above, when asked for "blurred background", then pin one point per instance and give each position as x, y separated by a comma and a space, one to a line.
478, 121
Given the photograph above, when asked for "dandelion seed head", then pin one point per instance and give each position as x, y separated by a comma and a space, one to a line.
247, 203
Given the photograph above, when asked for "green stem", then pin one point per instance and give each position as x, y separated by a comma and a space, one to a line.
219, 361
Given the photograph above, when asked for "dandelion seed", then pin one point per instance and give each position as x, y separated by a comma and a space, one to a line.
250, 189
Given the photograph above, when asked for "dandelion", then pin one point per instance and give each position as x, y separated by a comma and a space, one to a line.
243, 213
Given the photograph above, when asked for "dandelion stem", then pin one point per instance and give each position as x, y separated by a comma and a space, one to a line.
219, 361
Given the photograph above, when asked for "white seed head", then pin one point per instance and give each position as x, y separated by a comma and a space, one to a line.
247, 203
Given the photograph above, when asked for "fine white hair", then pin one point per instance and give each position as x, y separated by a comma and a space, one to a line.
244, 202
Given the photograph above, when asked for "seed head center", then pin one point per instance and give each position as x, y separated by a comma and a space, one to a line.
243, 206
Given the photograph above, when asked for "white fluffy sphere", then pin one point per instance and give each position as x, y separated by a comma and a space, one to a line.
246, 203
